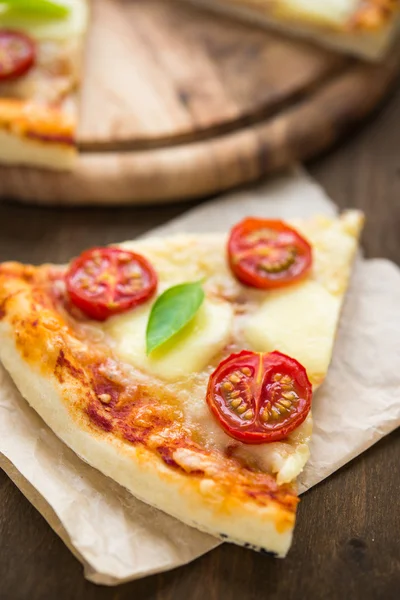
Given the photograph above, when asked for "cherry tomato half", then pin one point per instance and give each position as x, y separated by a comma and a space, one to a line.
267, 254
259, 398
17, 54
106, 281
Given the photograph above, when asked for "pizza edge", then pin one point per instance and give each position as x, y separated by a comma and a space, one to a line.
371, 15
264, 524
370, 42
38, 134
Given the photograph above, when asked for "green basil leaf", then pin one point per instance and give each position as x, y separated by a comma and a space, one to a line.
172, 311
42, 8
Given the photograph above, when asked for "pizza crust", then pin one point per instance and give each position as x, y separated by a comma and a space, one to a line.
32, 338
15, 149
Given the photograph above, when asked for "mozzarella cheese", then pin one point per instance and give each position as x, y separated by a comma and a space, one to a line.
42, 28
190, 351
300, 320
330, 12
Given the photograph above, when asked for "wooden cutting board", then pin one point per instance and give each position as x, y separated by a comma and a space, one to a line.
180, 103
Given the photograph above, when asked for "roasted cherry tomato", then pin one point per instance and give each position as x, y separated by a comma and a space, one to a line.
259, 398
105, 281
267, 254
17, 54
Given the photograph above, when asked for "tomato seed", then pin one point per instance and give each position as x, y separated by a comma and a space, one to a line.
286, 403
246, 371
242, 408
227, 386
236, 402
287, 387
261, 235
248, 415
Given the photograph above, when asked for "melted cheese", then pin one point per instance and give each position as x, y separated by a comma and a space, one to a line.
328, 12
189, 351
42, 28
299, 320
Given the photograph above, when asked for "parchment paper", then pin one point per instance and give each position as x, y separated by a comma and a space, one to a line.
118, 538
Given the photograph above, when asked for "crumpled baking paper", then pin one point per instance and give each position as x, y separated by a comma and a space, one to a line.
118, 538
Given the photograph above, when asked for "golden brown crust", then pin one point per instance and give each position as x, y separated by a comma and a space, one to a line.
373, 15
112, 402
27, 119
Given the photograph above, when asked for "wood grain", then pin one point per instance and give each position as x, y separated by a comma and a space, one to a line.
179, 103
158, 71
346, 540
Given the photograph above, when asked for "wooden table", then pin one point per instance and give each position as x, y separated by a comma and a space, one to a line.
347, 541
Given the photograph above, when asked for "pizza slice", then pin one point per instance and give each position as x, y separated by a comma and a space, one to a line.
360, 27
41, 48
183, 368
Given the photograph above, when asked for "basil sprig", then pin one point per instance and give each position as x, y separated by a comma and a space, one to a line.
42, 8
174, 309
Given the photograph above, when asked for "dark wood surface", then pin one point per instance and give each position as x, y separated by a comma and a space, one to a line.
347, 539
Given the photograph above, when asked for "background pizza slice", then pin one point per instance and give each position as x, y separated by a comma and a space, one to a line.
144, 419
41, 54
361, 27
